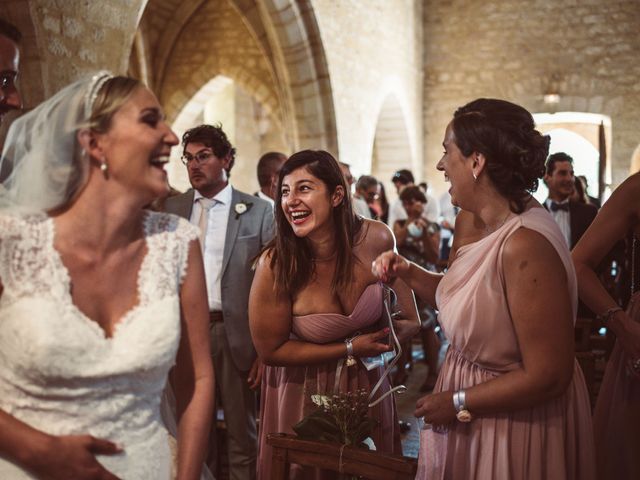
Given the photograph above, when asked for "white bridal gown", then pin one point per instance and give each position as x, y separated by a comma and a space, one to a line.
58, 371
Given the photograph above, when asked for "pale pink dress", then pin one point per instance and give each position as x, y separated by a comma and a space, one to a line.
616, 420
552, 441
286, 391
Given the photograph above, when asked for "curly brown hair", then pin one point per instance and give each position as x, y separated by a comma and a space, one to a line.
505, 134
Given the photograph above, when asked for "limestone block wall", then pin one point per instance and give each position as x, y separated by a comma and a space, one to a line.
231, 50
74, 37
373, 50
589, 50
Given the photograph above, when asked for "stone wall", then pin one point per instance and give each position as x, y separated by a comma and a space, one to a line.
373, 50
588, 50
74, 37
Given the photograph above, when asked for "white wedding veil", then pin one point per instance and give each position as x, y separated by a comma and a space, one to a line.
42, 167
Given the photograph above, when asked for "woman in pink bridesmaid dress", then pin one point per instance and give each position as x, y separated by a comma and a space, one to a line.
313, 288
510, 401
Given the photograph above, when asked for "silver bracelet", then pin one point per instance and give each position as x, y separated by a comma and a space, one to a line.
459, 401
349, 345
351, 360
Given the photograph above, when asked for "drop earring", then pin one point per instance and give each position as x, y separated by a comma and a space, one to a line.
475, 177
104, 168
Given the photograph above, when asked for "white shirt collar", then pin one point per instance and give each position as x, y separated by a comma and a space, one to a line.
223, 196
265, 197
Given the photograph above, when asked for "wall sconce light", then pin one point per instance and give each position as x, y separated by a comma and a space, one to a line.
551, 98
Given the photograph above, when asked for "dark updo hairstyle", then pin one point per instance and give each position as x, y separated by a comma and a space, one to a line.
292, 259
505, 134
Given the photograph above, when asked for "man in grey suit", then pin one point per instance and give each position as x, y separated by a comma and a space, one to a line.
234, 227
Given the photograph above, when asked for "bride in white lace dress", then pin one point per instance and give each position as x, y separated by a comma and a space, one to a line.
99, 297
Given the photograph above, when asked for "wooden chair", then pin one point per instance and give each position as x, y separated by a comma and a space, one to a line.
289, 449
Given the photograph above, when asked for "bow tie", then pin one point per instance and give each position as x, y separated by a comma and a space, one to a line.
559, 206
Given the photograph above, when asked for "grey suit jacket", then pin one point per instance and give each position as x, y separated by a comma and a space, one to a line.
246, 235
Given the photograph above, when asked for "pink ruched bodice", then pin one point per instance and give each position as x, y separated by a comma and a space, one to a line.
335, 327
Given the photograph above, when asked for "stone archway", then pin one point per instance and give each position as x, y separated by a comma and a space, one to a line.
283, 66
75, 34
391, 144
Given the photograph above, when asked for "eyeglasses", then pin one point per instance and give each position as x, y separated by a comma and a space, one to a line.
199, 157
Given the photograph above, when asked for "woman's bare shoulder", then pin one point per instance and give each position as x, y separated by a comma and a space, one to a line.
263, 264
627, 193
376, 237
522, 242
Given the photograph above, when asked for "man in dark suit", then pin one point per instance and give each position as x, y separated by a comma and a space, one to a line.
572, 218
234, 227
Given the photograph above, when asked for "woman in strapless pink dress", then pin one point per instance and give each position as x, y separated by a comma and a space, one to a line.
313, 288
510, 401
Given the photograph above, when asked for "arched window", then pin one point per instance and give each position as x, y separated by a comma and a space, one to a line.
391, 144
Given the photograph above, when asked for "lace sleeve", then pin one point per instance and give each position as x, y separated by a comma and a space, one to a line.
20, 239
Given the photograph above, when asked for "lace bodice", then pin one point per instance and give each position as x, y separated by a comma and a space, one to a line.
58, 370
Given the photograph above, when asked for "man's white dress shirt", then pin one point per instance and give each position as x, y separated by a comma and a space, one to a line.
562, 218
214, 242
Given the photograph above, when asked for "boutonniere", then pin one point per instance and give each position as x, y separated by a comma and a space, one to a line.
241, 208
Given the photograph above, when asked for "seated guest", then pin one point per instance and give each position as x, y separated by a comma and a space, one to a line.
367, 191
313, 291
359, 205
510, 400
401, 179
419, 241
380, 205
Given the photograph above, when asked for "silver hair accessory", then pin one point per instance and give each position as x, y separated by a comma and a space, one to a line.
97, 82
42, 165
